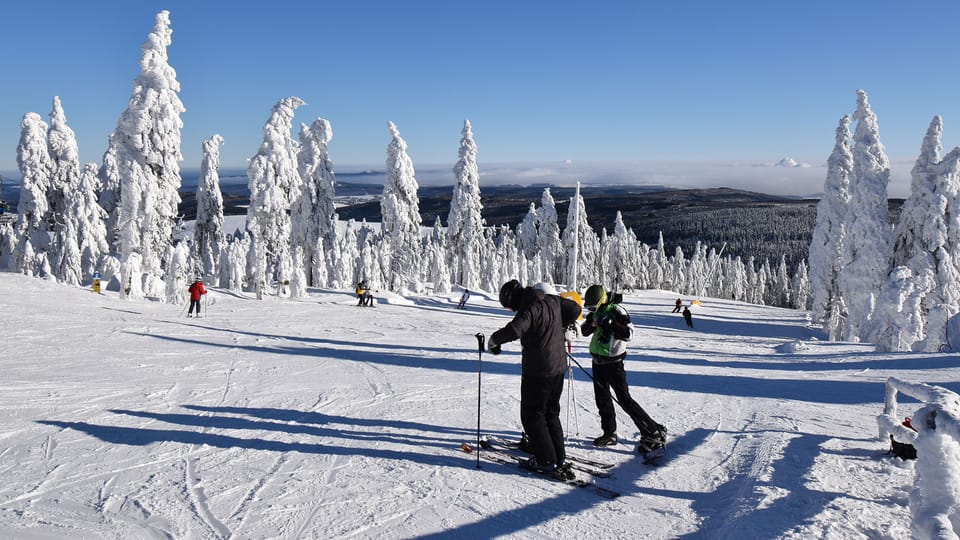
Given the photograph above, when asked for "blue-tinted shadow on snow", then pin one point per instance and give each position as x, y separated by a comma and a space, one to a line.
816, 362
572, 501
508, 363
316, 433
784, 328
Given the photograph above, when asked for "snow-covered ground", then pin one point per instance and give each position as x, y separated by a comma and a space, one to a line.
319, 419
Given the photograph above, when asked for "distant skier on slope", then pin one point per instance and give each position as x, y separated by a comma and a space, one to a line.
688, 317
609, 324
539, 324
678, 306
196, 292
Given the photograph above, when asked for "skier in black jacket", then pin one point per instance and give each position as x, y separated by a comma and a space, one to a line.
539, 324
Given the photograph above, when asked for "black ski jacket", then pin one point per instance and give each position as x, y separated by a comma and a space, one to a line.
539, 324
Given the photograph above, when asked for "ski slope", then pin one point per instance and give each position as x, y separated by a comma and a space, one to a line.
315, 418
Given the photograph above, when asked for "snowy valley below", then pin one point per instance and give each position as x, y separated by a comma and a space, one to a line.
315, 418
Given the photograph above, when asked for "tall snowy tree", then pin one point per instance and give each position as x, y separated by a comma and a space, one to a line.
465, 221
527, 235
141, 171
313, 214
90, 224
867, 240
825, 259
208, 231
64, 251
400, 211
548, 238
927, 236
588, 246
274, 178
33, 210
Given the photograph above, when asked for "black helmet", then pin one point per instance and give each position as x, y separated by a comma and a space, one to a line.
510, 293
595, 296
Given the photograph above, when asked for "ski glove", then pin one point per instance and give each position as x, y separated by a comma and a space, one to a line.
493, 347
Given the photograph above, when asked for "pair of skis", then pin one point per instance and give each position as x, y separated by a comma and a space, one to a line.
498, 455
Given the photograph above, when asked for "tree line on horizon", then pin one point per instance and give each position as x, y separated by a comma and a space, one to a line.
866, 281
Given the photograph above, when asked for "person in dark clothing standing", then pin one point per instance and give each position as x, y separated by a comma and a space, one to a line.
687, 316
196, 292
679, 305
609, 324
539, 324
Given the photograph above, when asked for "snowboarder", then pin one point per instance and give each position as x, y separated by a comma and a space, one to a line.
687, 316
196, 291
678, 306
539, 324
364, 298
463, 299
609, 323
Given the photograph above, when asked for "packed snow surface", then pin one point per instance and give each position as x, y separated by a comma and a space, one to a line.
316, 418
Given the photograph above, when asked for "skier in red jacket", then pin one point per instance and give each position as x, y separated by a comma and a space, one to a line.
196, 290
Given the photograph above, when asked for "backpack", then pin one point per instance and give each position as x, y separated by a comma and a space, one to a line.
903, 451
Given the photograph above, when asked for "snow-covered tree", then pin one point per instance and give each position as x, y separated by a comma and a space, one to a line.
617, 254
400, 211
898, 321
274, 179
64, 251
927, 236
141, 171
90, 225
588, 246
527, 235
548, 238
208, 231
33, 210
313, 215
825, 259
465, 221
867, 238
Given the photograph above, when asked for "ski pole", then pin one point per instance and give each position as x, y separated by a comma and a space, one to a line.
587, 373
480, 340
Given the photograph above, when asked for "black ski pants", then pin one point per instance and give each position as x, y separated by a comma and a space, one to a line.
611, 375
194, 303
540, 416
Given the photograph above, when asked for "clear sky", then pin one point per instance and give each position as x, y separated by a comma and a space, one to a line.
541, 82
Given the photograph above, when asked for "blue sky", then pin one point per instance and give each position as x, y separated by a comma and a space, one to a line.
541, 82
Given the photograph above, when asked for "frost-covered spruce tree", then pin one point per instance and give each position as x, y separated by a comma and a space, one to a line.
313, 214
141, 171
942, 300
898, 321
825, 259
64, 251
465, 221
618, 255
273, 177
800, 286
867, 241
548, 238
927, 236
91, 227
400, 211
178, 273
436, 255
588, 246
344, 273
527, 236
33, 210
208, 231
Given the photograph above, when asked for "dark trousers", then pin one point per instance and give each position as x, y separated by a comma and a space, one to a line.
540, 416
194, 303
612, 375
